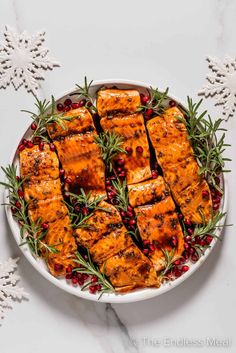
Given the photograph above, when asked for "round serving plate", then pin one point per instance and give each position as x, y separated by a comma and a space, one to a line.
139, 294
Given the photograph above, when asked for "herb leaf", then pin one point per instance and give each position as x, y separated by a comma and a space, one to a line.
156, 101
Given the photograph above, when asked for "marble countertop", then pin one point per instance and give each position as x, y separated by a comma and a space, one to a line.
166, 43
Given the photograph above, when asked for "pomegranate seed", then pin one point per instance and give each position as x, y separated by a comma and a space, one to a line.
188, 222
172, 103
217, 199
208, 239
144, 98
21, 193
13, 210
180, 216
98, 287
67, 108
121, 161
186, 246
75, 105
217, 180
18, 178
92, 289
184, 268
82, 103
24, 141
149, 112
85, 276
205, 194
60, 107
21, 147
58, 267
68, 102
61, 172
130, 208
146, 251
94, 279
41, 146
194, 257
130, 214
139, 149
216, 206
132, 222
108, 182
173, 241
191, 250
30, 144
18, 204
190, 231
177, 273
177, 262
74, 281
188, 238
85, 211
154, 174
202, 242
69, 269
52, 147
122, 174
45, 225
151, 247
128, 150
123, 213
146, 242
37, 139
77, 209
186, 254
119, 169
33, 126
69, 276
68, 180
89, 104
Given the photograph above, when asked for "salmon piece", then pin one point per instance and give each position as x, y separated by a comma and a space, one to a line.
41, 189
110, 245
48, 210
193, 205
81, 159
130, 269
100, 223
148, 191
158, 223
81, 123
180, 176
36, 164
112, 101
132, 128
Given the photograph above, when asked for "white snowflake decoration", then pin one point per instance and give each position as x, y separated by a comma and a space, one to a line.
23, 60
9, 289
222, 83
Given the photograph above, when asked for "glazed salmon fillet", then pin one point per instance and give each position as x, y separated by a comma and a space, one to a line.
113, 101
36, 164
132, 129
174, 153
158, 223
130, 269
80, 122
148, 191
42, 191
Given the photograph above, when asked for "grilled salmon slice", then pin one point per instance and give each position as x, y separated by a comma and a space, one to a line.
100, 223
81, 159
193, 204
110, 245
113, 101
130, 269
80, 122
48, 210
36, 164
132, 129
180, 176
148, 191
41, 189
158, 223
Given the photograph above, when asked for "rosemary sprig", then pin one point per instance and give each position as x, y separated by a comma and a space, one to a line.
156, 102
208, 148
169, 257
81, 208
122, 196
136, 236
111, 144
89, 268
209, 228
46, 114
83, 92
31, 232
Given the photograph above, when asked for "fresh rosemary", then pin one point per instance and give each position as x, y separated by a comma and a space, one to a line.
81, 208
31, 232
209, 228
111, 144
208, 148
89, 268
157, 101
122, 196
169, 257
46, 114
83, 92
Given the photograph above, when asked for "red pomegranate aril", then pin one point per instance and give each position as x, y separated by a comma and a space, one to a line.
173, 241
146, 251
205, 194
129, 208
151, 247
186, 246
139, 149
208, 239
30, 144
177, 273
184, 268
85, 211
217, 180
61, 172
216, 206
18, 204
94, 279
194, 258
120, 161
41, 146
119, 170
58, 267
144, 98
146, 242
123, 214
52, 147
128, 150
85, 276
202, 243
18, 178
177, 262
21, 193
186, 254
69, 276
33, 126
69, 269
172, 103
75, 105
60, 107
130, 214
188, 238
68, 102
180, 216
98, 287
190, 231
21, 147
37, 139
67, 108
188, 222
82, 103
74, 281
191, 250
132, 222
89, 104
122, 174
154, 174
92, 289
13, 210
45, 226
108, 182
24, 141
77, 208
217, 199
149, 112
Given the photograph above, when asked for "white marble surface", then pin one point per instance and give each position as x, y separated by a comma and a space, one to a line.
164, 42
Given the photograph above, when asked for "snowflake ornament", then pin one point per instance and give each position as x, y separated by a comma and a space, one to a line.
222, 84
9, 289
23, 60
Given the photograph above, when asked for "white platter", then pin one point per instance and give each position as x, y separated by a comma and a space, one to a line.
134, 296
